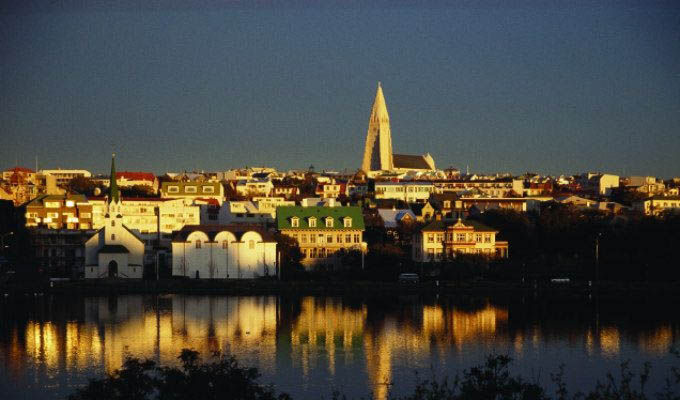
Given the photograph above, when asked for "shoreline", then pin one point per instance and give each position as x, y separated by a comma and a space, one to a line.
320, 288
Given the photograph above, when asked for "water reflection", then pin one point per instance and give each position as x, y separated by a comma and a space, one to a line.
298, 342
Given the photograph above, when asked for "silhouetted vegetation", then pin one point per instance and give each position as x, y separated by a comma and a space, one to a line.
223, 377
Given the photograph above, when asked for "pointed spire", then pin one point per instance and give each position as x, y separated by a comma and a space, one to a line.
114, 195
378, 150
379, 110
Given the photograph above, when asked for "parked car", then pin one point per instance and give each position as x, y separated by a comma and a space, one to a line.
409, 278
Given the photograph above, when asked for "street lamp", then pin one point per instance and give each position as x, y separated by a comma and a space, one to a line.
2, 240
597, 257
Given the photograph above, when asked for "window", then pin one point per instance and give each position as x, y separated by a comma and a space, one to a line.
478, 237
430, 238
348, 238
329, 238
142, 209
208, 189
198, 244
439, 238
322, 253
190, 189
70, 203
312, 222
225, 244
347, 222
173, 189
447, 204
312, 238
295, 222
303, 238
339, 239
357, 238
113, 236
487, 238
460, 237
251, 244
329, 222
113, 223
312, 252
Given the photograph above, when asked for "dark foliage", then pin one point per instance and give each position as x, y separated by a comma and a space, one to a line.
220, 377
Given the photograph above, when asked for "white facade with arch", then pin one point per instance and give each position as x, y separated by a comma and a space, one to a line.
223, 252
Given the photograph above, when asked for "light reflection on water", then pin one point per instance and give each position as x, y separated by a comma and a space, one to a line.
306, 346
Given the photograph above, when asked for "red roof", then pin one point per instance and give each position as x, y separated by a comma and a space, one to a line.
20, 169
136, 176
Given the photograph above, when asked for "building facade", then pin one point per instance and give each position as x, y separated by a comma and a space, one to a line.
322, 231
439, 241
192, 190
223, 252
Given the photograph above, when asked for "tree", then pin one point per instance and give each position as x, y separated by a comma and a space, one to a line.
81, 185
291, 257
221, 377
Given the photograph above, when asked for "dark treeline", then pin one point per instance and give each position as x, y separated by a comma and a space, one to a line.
223, 377
563, 239
557, 241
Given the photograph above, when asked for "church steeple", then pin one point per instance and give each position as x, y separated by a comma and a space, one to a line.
114, 194
378, 150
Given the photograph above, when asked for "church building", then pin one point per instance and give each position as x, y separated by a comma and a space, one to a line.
114, 251
378, 157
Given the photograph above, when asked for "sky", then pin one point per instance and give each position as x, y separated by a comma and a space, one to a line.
553, 87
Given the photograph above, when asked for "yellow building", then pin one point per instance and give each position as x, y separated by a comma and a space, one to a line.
439, 241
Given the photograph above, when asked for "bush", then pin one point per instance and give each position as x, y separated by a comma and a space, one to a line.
138, 380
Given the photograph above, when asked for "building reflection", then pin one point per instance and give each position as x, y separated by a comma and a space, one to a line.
308, 336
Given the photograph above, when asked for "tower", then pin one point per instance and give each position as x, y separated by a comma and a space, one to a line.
378, 150
113, 203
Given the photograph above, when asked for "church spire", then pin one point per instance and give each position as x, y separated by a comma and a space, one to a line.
378, 150
114, 194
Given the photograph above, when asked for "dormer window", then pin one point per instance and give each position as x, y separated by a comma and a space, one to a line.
329, 222
312, 222
447, 204
173, 189
190, 189
295, 222
347, 222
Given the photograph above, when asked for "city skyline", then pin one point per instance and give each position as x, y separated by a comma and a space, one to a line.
538, 87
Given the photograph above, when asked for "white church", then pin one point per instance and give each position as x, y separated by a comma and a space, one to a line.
114, 251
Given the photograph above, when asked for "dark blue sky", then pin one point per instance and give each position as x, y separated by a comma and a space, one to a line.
539, 86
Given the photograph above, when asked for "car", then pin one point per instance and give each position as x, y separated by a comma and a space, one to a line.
408, 278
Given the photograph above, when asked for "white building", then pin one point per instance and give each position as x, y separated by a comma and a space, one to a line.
410, 192
114, 251
254, 187
64, 176
223, 252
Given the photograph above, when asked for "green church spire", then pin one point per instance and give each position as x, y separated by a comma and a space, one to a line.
114, 194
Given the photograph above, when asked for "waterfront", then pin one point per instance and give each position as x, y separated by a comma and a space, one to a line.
309, 345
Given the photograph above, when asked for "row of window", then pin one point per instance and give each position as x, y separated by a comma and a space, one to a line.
330, 222
192, 189
320, 252
319, 238
459, 237
225, 244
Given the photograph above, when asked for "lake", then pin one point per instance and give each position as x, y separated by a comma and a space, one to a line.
308, 346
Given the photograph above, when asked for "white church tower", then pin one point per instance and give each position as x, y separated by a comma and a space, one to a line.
114, 251
378, 151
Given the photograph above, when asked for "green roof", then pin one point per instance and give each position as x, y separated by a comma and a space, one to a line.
284, 216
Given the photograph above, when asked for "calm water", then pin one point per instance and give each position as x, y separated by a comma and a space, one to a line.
307, 346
